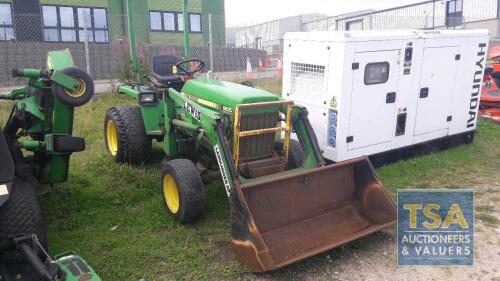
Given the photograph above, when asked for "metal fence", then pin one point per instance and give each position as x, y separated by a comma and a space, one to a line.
99, 43
433, 14
100, 46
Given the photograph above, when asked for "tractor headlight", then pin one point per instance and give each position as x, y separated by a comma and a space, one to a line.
148, 98
332, 141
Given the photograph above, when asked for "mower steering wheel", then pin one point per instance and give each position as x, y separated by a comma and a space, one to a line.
189, 72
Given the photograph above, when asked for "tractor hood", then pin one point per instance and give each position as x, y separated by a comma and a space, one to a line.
226, 93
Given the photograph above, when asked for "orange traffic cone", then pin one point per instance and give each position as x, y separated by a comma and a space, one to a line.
249, 69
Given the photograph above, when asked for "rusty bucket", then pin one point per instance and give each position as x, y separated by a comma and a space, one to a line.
281, 220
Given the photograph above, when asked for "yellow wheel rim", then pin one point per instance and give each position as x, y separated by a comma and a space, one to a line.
112, 137
171, 193
79, 93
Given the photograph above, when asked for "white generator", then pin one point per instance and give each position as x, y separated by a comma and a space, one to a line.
370, 92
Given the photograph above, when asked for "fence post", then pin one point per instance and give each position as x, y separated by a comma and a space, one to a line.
498, 8
210, 45
5, 31
86, 42
434, 14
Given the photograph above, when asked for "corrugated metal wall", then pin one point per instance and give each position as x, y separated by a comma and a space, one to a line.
425, 15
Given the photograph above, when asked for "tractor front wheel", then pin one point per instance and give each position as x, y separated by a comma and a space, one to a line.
183, 191
125, 136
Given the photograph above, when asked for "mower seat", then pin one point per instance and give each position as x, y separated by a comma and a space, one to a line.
162, 69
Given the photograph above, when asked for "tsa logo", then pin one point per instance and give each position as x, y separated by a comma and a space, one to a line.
435, 227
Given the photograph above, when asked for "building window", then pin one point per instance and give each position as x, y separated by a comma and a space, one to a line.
6, 24
100, 25
169, 21
195, 22
354, 25
173, 22
180, 22
258, 43
67, 24
454, 13
156, 21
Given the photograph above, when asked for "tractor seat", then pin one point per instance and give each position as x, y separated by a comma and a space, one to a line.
162, 69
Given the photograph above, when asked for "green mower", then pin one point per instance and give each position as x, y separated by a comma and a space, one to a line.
286, 203
35, 147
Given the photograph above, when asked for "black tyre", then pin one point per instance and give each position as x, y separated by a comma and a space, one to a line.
125, 136
183, 192
22, 215
75, 98
248, 84
295, 154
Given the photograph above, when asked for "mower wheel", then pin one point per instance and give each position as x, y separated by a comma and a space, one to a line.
75, 98
125, 136
295, 154
183, 191
22, 215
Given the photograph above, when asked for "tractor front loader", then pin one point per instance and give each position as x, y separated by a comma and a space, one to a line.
286, 204
35, 147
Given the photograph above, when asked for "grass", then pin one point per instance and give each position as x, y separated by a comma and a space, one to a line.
487, 218
114, 215
487, 209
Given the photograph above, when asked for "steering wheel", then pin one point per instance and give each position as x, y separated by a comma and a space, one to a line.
187, 71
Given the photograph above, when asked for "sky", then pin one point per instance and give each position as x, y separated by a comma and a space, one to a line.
249, 12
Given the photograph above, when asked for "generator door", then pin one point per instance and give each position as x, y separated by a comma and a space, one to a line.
435, 95
373, 100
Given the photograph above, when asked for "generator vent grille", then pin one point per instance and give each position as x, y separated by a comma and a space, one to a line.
307, 80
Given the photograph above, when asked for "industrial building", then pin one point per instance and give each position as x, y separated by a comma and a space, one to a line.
157, 22
433, 14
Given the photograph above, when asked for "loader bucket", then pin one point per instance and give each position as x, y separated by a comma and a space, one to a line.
281, 220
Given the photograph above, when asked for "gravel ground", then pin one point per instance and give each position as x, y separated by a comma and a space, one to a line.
376, 259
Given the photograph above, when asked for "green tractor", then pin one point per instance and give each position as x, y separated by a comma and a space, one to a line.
286, 204
35, 148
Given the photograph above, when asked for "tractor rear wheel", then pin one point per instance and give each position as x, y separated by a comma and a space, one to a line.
295, 154
183, 191
125, 136
22, 215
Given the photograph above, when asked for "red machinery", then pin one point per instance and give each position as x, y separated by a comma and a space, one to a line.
490, 94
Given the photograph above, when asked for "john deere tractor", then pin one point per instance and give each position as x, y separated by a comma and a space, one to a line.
35, 148
286, 204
